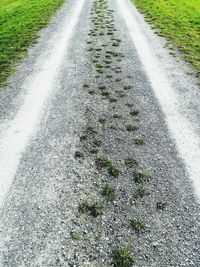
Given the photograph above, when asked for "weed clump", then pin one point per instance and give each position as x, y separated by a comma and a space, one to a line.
138, 225
160, 205
86, 86
138, 141
102, 120
106, 163
100, 71
117, 116
115, 44
97, 142
94, 150
105, 94
140, 177
109, 193
131, 162
113, 127
114, 171
93, 209
83, 137
122, 257
127, 87
134, 112
91, 130
141, 192
102, 87
79, 154
131, 127
113, 100
129, 105
99, 66
103, 162
91, 92
108, 61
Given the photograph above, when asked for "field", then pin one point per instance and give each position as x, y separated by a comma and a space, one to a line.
20, 21
178, 20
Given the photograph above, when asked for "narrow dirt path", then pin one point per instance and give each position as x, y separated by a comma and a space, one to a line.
92, 171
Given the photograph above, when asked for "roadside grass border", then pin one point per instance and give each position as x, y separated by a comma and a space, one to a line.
20, 23
179, 22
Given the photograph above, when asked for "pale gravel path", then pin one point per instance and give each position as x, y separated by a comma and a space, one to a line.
40, 205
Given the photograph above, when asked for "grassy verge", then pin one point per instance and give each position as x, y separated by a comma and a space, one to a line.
179, 20
20, 21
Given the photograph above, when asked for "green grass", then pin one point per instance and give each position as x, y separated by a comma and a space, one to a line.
114, 171
122, 257
141, 192
94, 150
103, 162
92, 209
138, 141
179, 20
131, 127
109, 193
140, 177
138, 225
20, 21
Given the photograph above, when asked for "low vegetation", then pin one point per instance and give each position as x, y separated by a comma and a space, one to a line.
20, 21
179, 21
141, 192
109, 193
122, 257
138, 225
140, 177
92, 209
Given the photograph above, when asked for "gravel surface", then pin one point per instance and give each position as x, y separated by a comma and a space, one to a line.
101, 173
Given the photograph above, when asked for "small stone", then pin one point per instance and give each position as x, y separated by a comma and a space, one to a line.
77, 236
155, 244
160, 205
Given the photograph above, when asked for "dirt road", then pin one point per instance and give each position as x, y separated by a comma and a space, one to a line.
100, 146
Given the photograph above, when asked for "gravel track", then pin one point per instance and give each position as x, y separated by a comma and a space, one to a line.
100, 127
